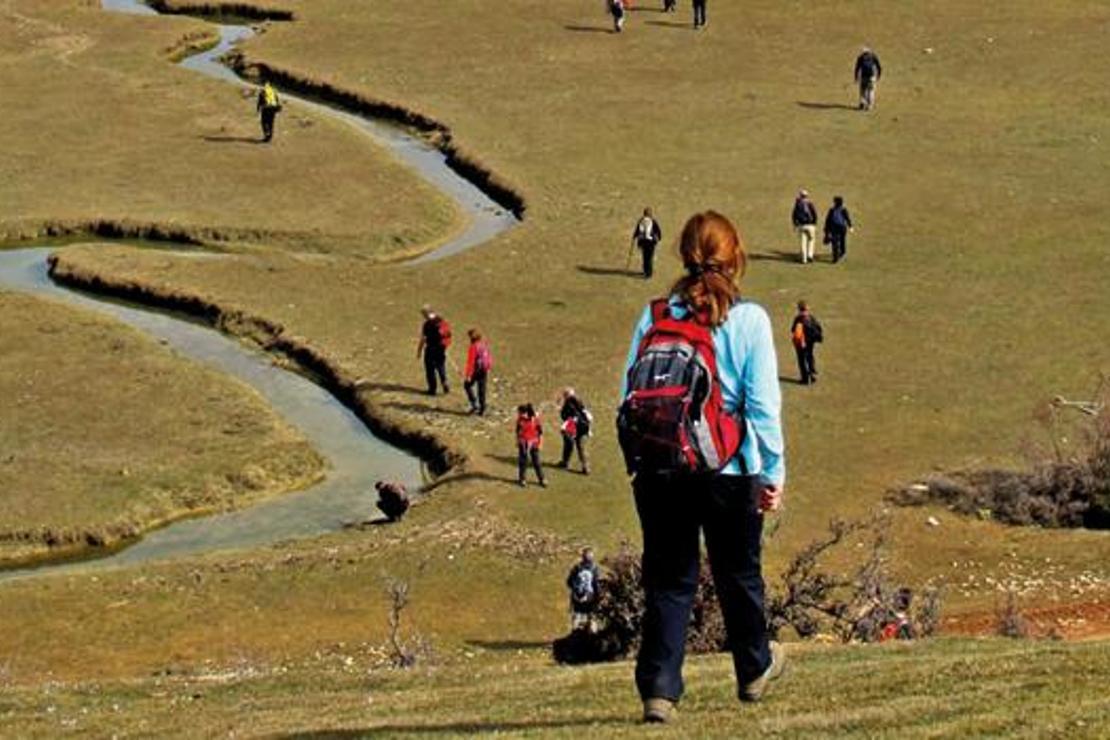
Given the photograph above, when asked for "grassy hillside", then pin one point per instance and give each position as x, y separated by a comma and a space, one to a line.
948, 688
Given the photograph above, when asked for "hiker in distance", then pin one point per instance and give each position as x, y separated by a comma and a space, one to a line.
576, 426
699, 13
529, 439
804, 218
838, 224
868, 72
479, 362
617, 10
584, 583
703, 468
670, 6
646, 236
805, 334
393, 501
268, 106
435, 338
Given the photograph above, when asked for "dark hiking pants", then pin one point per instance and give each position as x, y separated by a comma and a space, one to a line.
569, 445
435, 365
476, 392
807, 365
699, 13
674, 511
838, 240
268, 115
647, 253
528, 454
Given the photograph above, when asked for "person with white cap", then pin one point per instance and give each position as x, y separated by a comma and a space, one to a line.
804, 218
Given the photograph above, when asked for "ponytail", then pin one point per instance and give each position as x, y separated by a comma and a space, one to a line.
714, 258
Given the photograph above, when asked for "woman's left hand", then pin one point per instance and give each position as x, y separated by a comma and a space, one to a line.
770, 497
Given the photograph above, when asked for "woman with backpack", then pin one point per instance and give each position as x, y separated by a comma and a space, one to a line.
529, 439
577, 421
714, 472
479, 362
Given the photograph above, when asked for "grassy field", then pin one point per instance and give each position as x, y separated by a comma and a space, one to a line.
100, 127
106, 434
944, 689
973, 290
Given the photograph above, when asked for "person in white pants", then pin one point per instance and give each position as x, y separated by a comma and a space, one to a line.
804, 217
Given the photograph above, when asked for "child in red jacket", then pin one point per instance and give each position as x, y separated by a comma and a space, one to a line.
529, 438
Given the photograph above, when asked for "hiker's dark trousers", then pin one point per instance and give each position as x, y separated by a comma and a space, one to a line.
528, 454
674, 511
807, 365
570, 444
838, 240
476, 391
647, 253
699, 13
435, 365
268, 115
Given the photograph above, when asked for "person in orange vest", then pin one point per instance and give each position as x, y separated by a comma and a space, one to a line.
479, 362
529, 439
805, 333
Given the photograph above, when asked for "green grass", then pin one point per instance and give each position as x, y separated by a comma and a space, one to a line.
939, 689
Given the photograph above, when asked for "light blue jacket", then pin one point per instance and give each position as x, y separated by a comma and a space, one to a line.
748, 370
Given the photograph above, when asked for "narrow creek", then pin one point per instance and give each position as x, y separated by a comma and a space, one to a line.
355, 457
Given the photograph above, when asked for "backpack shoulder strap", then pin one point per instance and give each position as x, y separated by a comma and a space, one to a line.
660, 309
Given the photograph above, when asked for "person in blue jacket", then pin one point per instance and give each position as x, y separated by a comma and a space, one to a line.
676, 509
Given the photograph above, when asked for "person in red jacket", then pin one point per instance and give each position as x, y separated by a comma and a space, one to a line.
529, 438
479, 362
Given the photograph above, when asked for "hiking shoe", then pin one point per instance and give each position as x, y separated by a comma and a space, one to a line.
522, 483
658, 711
561, 464
754, 690
543, 484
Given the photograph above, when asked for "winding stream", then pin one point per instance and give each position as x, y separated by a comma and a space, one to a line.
355, 457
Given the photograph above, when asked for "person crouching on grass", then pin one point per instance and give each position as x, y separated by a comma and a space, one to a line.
676, 507
529, 439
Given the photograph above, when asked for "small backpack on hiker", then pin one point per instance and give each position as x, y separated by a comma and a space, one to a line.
673, 418
444, 332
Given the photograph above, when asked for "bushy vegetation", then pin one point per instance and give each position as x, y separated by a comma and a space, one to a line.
860, 605
1068, 484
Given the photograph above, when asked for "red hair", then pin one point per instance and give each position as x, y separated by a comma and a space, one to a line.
715, 260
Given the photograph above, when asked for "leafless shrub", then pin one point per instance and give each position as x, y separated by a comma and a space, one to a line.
1067, 484
1011, 622
404, 652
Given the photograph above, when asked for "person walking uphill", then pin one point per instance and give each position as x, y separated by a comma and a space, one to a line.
712, 466
529, 439
806, 333
584, 582
435, 338
699, 13
268, 106
617, 10
577, 422
868, 72
804, 218
646, 237
838, 223
479, 362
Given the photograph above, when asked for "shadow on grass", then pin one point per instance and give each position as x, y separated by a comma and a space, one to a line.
776, 256
509, 644
589, 29
232, 139
425, 408
672, 24
826, 106
452, 728
620, 271
787, 379
392, 388
462, 477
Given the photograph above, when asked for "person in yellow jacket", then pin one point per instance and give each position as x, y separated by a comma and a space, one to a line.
268, 107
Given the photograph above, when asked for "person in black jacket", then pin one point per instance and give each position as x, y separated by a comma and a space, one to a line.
805, 334
838, 223
868, 72
646, 237
669, 6
584, 584
435, 336
575, 428
804, 218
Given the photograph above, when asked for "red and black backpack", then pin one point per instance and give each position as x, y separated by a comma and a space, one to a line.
673, 418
